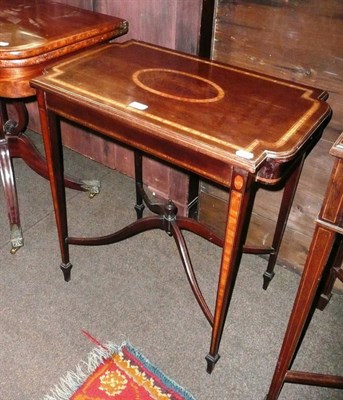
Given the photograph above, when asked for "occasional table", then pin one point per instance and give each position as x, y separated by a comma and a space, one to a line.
34, 35
234, 127
323, 265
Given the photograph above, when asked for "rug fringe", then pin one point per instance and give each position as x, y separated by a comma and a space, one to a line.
74, 379
160, 374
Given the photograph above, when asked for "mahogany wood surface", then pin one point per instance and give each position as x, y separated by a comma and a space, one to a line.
34, 35
192, 114
323, 262
203, 102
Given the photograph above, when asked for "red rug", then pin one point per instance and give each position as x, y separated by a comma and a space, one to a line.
117, 373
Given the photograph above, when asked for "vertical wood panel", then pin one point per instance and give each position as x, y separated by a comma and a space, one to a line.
297, 40
300, 41
85, 4
188, 20
152, 21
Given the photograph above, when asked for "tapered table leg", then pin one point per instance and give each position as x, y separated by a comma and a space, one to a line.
324, 253
322, 243
241, 196
54, 156
334, 273
285, 208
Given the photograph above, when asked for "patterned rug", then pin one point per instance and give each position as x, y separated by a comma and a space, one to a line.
117, 373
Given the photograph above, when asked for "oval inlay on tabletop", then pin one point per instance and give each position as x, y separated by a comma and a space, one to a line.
178, 85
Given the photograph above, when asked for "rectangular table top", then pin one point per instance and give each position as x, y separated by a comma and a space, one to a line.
201, 112
34, 32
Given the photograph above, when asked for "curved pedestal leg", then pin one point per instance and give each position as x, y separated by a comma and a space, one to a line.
15, 144
8, 183
22, 147
11, 198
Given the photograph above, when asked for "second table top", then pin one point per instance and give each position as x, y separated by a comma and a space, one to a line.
34, 33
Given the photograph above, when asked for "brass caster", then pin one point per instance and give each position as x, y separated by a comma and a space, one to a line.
14, 250
93, 187
17, 240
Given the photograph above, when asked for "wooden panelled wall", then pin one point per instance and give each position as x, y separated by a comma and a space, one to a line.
174, 24
300, 40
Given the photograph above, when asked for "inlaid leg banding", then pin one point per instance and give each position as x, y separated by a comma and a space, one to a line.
241, 197
311, 276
